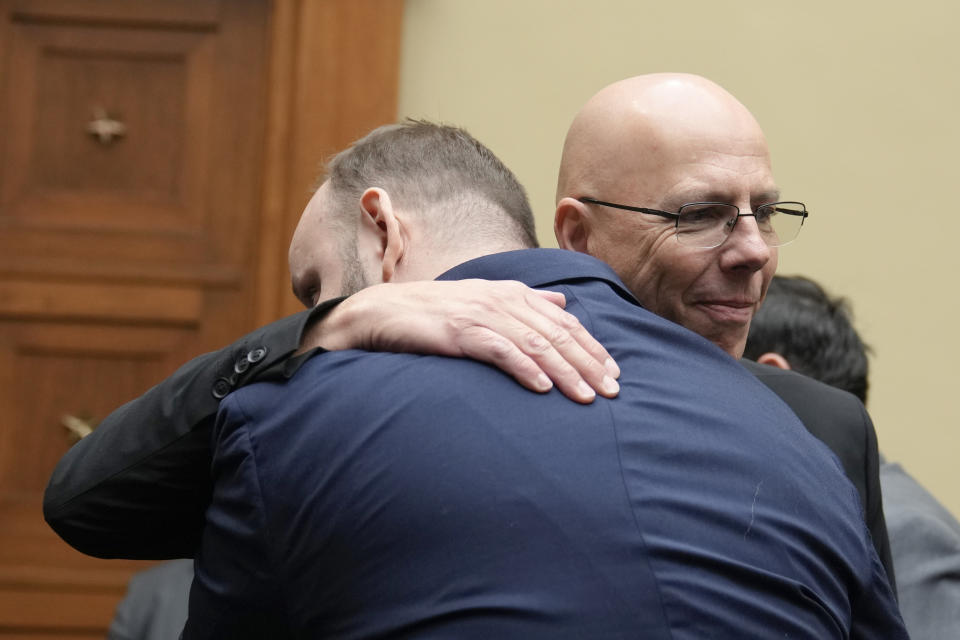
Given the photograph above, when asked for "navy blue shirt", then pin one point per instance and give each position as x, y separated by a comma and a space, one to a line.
384, 495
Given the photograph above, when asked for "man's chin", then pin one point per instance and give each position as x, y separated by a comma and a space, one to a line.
727, 331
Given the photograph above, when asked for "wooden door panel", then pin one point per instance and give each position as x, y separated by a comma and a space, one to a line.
144, 179
61, 369
143, 80
47, 590
98, 300
51, 369
122, 256
73, 614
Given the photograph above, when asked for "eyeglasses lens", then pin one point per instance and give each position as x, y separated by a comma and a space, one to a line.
707, 225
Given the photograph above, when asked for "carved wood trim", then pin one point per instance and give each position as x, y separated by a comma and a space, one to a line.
178, 14
334, 67
110, 302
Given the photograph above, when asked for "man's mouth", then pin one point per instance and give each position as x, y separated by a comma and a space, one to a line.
729, 311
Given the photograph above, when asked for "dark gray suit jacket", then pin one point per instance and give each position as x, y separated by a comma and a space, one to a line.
155, 607
925, 539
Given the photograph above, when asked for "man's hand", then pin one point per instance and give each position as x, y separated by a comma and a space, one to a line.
523, 331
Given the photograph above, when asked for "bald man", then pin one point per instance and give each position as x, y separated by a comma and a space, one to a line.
667, 178
660, 142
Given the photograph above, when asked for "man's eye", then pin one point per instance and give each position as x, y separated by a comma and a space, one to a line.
705, 214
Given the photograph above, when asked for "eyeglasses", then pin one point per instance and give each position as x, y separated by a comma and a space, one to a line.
707, 224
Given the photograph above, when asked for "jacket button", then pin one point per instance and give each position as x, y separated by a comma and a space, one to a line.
221, 388
256, 355
241, 365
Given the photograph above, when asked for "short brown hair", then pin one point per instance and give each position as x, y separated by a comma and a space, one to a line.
439, 169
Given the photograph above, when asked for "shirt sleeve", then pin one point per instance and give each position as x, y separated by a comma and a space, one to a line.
138, 485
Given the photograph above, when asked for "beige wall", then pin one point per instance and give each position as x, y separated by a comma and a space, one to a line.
860, 105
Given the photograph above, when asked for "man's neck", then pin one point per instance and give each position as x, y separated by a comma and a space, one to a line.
431, 263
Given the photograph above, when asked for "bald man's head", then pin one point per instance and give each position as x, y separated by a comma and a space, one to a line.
652, 122
660, 141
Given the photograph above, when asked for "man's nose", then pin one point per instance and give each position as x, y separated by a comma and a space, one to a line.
745, 248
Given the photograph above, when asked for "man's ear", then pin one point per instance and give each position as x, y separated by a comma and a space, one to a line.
774, 360
571, 225
380, 219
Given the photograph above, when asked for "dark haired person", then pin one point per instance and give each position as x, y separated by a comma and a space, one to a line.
800, 327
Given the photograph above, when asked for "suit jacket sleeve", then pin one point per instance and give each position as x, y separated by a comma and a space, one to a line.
155, 606
925, 538
138, 485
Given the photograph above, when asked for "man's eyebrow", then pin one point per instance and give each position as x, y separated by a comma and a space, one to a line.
766, 197
707, 195
716, 195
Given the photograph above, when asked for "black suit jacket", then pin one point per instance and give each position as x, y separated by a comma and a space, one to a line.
839, 420
137, 487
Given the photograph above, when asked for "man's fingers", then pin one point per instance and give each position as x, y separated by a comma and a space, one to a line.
572, 345
533, 372
523, 331
596, 350
555, 297
552, 340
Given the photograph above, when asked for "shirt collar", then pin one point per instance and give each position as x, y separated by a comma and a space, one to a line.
539, 268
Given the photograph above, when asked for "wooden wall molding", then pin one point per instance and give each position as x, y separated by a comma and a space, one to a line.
112, 273
157, 305
178, 14
334, 68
